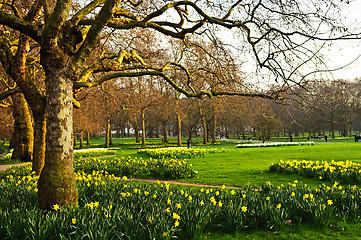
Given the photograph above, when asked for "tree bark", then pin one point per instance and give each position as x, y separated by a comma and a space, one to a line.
107, 130
57, 181
81, 138
110, 135
332, 123
165, 132
205, 133
179, 137
75, 139
136, 130
39, 141
23, 130
214, 129
143, 129
350, 123
88, 139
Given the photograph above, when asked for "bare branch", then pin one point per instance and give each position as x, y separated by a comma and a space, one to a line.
86, 10
56, 20
9, 92
20, 25
92, 38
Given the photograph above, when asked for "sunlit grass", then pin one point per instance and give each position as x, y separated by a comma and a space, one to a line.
107, 199
111, 206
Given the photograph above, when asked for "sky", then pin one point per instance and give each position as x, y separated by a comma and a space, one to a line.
343, 53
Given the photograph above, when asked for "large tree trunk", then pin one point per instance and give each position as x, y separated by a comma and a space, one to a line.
39, 141
34, 98
57, 181
23, 130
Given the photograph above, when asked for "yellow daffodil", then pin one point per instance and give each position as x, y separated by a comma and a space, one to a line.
175, 216
56, 207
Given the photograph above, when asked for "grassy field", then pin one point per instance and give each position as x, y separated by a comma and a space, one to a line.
242, 166
238, 167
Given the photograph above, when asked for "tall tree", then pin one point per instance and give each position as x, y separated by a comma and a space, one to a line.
277, 33
23, 130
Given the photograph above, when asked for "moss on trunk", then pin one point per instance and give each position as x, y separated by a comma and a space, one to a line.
23, 138
57, 180
39, 142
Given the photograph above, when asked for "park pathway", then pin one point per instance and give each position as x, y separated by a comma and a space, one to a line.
6, 151
4, 167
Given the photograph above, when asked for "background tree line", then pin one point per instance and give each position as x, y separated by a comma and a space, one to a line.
139, 107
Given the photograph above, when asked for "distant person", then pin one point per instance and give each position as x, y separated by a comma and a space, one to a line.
326, 138
189, 143
291, 138
356, 138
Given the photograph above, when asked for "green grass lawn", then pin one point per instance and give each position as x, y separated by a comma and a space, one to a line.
343, 231
241, 166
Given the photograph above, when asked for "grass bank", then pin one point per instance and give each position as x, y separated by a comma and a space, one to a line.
239, 167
